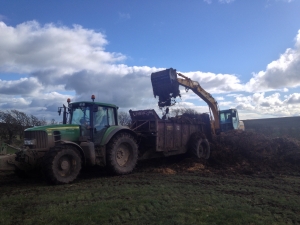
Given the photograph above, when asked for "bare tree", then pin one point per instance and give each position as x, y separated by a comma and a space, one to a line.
8, 128
13, 123
34, 121
52, 122
124, 119
181, 111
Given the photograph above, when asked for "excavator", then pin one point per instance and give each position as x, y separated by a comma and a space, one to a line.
166, 84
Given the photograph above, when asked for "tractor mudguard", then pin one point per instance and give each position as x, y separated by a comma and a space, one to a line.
82, 153
111, 131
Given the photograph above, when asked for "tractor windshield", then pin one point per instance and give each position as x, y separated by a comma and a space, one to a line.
93, 119
80, 115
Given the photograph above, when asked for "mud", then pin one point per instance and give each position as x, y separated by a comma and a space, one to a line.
245, 168
251, 152
233, 152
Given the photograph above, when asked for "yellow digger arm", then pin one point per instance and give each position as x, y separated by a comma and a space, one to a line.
198, 90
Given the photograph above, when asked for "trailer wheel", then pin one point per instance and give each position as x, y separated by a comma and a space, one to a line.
122, 154
199, 146
206, 148
62, 166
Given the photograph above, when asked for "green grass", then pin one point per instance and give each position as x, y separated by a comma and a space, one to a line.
152, 198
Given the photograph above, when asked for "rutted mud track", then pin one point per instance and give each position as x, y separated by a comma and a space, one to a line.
234, 152
248, 169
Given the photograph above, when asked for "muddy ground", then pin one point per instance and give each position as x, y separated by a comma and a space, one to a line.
245, 166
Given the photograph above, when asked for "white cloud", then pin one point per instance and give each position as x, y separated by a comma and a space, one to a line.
285, 90
2, 17
219, 98
29, 47
293, 99
56, 59
226, 1
216, 83
125, 16
24, 86
281, 73
260, 104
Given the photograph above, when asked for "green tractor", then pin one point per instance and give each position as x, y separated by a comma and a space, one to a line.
89, 136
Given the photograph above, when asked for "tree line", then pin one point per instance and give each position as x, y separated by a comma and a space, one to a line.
13, 123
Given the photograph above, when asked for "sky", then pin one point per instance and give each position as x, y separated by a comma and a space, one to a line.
246, 54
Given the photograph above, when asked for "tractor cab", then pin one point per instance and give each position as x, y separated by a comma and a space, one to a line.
94, 118
229, 120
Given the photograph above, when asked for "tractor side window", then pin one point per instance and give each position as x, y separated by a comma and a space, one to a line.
104, 117
100, 118
77, 116
111, 116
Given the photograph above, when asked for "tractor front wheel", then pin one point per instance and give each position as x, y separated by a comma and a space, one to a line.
122, 154
62, 166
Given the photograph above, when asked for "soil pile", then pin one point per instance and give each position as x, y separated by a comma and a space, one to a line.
250, 152
238, 152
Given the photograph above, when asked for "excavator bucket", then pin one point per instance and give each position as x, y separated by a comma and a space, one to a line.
165, 86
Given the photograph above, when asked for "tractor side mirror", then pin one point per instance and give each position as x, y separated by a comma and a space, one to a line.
59, 111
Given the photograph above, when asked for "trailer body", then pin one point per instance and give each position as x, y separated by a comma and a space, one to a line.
158, 137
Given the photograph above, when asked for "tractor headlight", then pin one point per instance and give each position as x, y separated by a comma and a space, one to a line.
29, 142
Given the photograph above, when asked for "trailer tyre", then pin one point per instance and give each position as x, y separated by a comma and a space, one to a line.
199, 146
122, 154
62, 166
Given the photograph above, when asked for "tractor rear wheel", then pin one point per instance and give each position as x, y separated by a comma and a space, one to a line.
62, 166
122, 154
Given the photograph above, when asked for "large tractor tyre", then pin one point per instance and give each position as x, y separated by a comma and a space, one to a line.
62, 166
199, 146
122, 154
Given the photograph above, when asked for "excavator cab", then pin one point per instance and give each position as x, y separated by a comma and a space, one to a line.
229, 120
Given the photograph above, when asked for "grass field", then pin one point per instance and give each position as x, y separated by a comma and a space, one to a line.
151, 196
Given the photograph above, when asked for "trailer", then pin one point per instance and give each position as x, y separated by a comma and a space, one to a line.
178, 135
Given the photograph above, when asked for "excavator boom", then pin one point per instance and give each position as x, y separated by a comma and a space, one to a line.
198, 90
166, 86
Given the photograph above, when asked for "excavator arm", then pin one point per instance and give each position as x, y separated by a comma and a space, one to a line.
165, 85
204, 95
